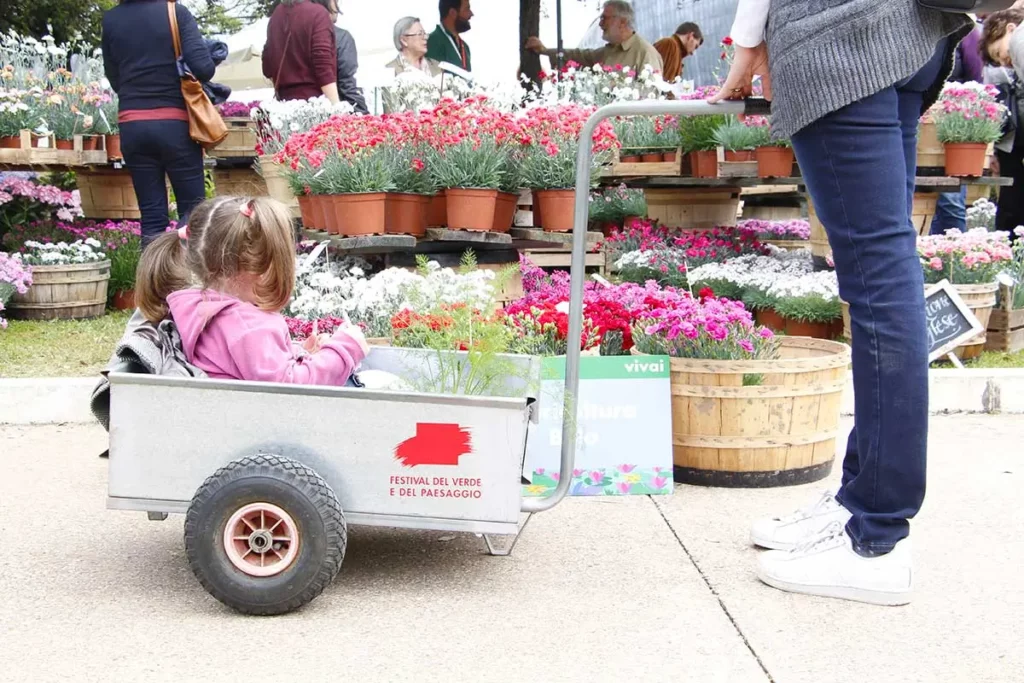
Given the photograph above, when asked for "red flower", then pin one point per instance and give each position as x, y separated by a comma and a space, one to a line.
727, 41
706, 293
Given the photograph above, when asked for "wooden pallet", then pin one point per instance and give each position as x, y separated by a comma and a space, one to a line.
694, 207
33, 155
239, 182
563, 238
364, 244
737, 169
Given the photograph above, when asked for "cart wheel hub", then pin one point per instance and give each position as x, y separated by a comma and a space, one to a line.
261, 539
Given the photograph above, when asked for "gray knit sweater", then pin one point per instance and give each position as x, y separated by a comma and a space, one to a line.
826, 54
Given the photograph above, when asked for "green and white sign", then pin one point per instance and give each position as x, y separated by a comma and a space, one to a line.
623, 433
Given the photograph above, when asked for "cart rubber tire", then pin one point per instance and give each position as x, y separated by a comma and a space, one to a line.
304, 496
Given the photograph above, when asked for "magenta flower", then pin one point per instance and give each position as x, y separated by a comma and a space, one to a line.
626, 469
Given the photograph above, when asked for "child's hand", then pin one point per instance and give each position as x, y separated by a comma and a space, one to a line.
314, 342
356, 333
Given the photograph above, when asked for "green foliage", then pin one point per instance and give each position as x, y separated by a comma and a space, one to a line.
698, 133
469, 165
809, 309
736, 136
366, 171
65, 20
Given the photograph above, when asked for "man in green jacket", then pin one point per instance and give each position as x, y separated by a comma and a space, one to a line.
445, 43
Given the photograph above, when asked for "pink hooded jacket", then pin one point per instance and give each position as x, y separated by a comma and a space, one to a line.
231, 339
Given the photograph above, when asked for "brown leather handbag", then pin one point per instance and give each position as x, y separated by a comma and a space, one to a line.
205, 124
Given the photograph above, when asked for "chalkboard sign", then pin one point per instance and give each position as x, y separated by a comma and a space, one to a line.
950, 321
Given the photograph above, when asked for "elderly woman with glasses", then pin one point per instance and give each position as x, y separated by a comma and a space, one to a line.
411, 43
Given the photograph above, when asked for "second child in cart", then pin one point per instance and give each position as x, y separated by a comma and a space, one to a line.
224, 280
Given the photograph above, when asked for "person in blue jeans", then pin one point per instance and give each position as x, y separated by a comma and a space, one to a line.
138, 59
848, 80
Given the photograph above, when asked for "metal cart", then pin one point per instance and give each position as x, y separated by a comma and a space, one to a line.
269, 476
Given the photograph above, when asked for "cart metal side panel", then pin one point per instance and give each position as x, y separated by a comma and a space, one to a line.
452, 462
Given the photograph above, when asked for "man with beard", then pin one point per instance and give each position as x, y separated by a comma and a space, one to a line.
625, 46
445, 43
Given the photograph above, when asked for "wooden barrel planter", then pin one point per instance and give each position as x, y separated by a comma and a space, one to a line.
239, 182
277, 184
107, 194
780, 431
68, 292
981, 299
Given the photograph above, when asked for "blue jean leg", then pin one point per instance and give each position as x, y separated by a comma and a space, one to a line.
950, 212
859, 165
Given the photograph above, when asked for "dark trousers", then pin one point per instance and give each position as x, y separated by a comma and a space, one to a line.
155, 151
1010, 212
859, 164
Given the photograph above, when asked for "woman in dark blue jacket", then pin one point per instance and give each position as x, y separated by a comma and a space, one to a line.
138, 57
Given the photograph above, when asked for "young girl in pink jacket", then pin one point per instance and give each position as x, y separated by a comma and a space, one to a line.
224, 281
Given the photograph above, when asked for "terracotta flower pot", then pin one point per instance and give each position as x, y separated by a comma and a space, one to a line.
306, 213
437, 211
767, 317
320, 206
65, 145
652, 157
406, 214
361, 213
538, 218
10, 142
114, 147
631, 221
471, 209
629, 159
89, 143
124, 300
704, 164
505, 211
774, 162
965, 158
558, 207
796, 328
740, 155
670, 157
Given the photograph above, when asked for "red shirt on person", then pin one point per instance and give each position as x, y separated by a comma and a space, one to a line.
308, 60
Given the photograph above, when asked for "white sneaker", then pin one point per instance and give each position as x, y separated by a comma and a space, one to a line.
828, 566
786, 533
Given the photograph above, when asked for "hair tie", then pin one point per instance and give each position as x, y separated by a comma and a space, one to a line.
246, 210
183, 232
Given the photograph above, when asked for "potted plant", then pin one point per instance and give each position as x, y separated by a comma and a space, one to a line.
808, 305
16, 115
774, 155
111, 130
699, 142
738, 139
667, 138
470, 172
408, 206
551, 142
69, 281
124, 245
629, 131
358, 184
746, 382
968, 119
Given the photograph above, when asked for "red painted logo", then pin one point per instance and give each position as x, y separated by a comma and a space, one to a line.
435, 444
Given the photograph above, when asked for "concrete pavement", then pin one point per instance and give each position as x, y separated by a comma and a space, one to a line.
597, 590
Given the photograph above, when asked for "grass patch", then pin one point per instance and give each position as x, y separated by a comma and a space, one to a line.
60, 348
994, 359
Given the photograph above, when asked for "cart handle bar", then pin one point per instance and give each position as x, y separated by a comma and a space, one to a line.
753, 106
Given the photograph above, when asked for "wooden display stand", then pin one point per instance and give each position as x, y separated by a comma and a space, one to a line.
698, 208
30, 154
645, 168
240, 142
